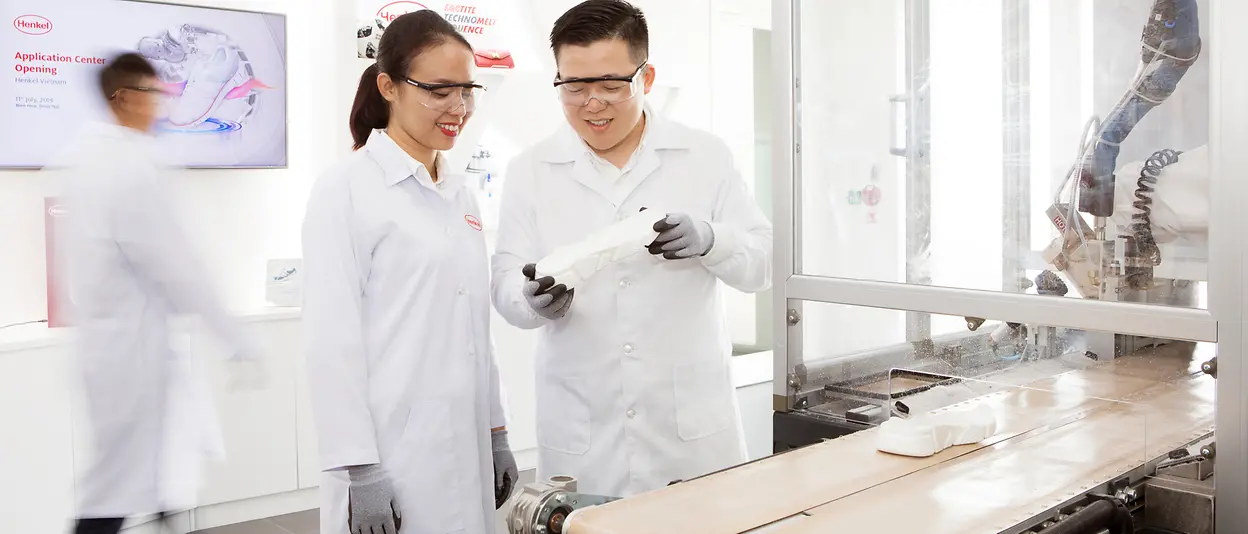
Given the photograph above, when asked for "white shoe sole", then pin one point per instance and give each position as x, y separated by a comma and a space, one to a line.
926, 435
573, 264
203, 107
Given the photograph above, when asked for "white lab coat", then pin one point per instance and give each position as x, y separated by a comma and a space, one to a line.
633, 384
130, 269
396, 307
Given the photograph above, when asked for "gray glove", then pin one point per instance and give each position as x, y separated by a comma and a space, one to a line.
371, 508
681, 237
548, 299
505, 472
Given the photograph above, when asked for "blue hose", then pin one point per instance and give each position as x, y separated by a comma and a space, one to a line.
1171, 40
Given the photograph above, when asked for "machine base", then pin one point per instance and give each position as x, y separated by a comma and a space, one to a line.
793, 430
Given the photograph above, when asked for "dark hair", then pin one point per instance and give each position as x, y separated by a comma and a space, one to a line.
125, 70
595, 20
405, 38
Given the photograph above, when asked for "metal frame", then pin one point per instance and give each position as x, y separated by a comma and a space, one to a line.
1186, 324
1228, 295
1016, 146
918, 154
1223, 323
786, 129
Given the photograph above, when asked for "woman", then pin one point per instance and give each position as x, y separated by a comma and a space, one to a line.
405, 389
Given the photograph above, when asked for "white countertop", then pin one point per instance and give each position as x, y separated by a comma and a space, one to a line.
34, 336
752, 369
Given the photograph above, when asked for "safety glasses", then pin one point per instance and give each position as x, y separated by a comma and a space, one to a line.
577, 92
154, 91
448, 97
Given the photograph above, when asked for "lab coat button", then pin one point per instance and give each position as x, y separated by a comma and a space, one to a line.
623, 283
460, 291
631, 414
628, 349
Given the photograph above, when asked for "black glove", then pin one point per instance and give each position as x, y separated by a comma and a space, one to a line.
682, 237
548, 299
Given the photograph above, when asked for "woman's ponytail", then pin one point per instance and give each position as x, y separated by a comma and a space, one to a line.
370, 110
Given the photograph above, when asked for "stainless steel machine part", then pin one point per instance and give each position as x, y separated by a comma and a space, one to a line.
1179, 504
544, 507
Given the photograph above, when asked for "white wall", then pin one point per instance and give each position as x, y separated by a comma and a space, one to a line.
244, 217
241, 218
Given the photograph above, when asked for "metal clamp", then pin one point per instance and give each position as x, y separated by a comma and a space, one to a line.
1209, 451
1210, 367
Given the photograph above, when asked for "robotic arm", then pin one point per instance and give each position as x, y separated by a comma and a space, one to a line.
1169, 46
1170, 43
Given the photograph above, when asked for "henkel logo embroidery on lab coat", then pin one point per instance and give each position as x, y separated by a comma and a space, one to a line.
474, 222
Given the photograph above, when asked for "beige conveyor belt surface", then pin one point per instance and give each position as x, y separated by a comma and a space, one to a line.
1055, 437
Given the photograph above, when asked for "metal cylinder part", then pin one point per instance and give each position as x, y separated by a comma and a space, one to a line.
542, 507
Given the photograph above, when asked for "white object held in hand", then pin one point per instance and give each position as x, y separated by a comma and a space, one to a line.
929, 434
573, 264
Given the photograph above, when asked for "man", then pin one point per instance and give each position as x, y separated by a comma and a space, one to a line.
633, 382
131, 269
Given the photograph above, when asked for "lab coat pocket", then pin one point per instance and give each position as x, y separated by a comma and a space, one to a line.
702, 407
427, 471
563, 418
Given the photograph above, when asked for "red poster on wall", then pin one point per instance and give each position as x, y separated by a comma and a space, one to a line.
59, 303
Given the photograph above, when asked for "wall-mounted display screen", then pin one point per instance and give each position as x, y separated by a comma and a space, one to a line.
223, 71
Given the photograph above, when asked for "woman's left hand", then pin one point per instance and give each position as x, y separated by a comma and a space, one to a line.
505, 471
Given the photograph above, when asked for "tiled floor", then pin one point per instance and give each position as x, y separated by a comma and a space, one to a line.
301, 523
309, 522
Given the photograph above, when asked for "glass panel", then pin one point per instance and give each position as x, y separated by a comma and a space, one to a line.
1071, 411
1005, 145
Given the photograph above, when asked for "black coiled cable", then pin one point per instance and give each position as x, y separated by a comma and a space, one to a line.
1145, 252
1141, 220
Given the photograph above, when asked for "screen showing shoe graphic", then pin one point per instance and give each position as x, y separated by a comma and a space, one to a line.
211, 84
224, 71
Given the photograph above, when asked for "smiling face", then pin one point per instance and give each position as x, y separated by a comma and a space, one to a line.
414, 112
605, 128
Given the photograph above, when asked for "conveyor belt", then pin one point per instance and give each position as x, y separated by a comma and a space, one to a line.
1055, 437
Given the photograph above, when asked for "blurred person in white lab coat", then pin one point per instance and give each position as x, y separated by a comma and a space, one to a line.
406, 394
633, 381
130, 269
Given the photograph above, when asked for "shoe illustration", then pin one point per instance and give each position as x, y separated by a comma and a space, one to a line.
209, 81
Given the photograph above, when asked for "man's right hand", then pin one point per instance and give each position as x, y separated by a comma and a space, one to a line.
372, 508
548, 299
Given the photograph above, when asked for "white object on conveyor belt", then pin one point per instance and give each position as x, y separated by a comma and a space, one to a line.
929, 434
573, 264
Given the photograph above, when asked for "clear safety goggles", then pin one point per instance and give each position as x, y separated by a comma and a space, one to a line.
448, 97
158, 93
606, 89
